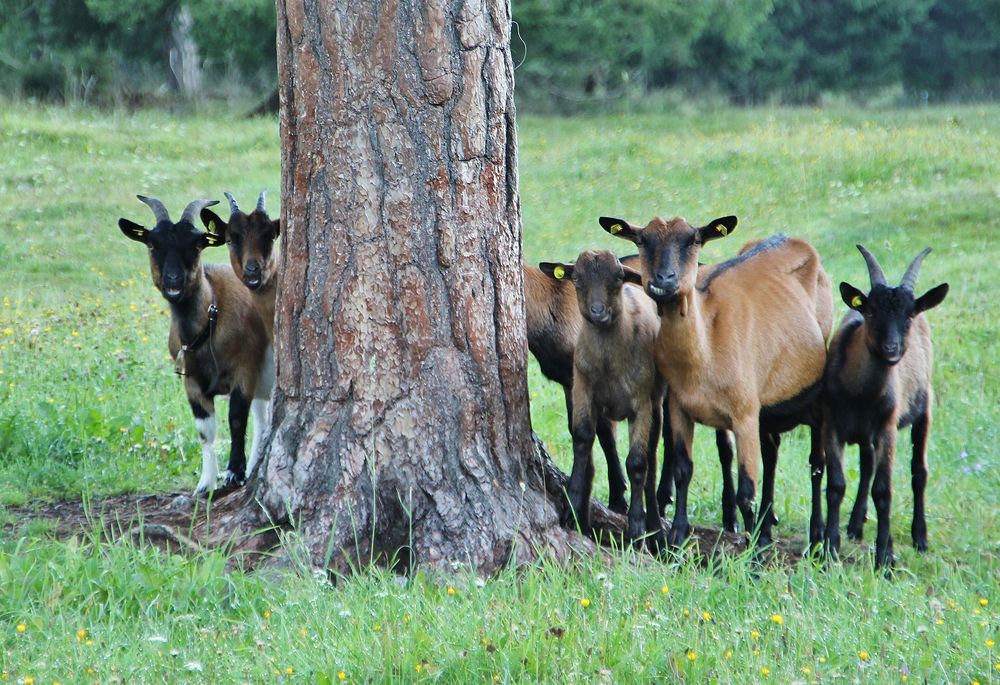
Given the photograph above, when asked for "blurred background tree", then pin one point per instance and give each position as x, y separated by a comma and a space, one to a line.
574, 53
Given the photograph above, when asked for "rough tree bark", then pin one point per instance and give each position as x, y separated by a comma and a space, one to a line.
401, 424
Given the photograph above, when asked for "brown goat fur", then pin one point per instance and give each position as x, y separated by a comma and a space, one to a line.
251, 241
742, 348
614, 375
553, 324
877, 381
217, 338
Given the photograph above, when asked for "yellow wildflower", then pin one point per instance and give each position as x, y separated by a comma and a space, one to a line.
289, 671
990, 643
765, 671
822, 659
863, 655
451, 591
806, 670
983, 601
691, 655
665, 590
728, 654
80, 634
705, 616
341, 675
754, 634
777, 618
267, 615
585, 602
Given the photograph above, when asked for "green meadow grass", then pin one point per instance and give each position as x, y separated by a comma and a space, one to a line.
89, 406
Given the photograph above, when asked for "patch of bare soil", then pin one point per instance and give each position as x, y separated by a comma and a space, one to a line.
177, 522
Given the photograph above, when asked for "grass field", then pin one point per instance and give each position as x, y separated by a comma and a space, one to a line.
89, 406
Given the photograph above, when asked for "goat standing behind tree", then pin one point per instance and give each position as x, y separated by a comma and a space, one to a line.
217, 339
878, 380
251, 238
614, 375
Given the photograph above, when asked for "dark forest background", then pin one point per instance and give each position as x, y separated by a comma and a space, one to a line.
572, 54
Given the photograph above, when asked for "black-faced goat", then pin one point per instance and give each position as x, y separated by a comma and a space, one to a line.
878, 380
217, 338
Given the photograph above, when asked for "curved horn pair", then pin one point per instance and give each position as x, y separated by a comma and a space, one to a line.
190, 212
877, 276
234, 207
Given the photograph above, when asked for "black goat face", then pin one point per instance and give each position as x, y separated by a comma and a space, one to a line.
174, 251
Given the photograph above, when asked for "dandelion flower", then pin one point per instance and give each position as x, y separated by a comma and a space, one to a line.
418, 666
89, 643
904, 677
665, 590
585, 602
822, 659
705, 616
289, 671
765, 671
990, 643
302, 633
28, 680
806, 670
863, 655
728, 654
777, 618
983, 601
80, 634
451, 591
687, 613
341, 675
754, 634
267, 615
21, 627
691, 655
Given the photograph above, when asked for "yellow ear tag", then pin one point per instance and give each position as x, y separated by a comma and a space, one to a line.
722, 230
559, 272
615, 229
857, 301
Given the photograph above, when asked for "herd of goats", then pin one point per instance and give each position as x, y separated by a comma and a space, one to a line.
656, 339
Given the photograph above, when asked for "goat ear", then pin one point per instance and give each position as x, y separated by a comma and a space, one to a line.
134, 231
557, 270
276, 225
212, 240
718, 228
930, 299
632, 276
853, 298
214, 223
620, 228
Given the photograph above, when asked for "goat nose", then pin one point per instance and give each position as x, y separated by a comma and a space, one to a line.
252, 267
597, 309
665, 279
890, 348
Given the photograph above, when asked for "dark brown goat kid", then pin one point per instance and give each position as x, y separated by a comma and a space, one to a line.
553, 325
614, 375
878, 380
251, 238
217, 339
742, 349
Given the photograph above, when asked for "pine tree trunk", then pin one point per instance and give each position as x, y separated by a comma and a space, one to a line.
401, 428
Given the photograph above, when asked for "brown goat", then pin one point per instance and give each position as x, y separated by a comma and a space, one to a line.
614, 375
878, 380
217, 339
742, 349
251, 238
553, 324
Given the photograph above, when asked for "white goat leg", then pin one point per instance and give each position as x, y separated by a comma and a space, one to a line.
261, 410
209, 464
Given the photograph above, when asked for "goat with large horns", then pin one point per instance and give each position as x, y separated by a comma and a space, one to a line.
217, 338
878, 380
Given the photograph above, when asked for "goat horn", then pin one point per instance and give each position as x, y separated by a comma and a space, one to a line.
875, 273
260, 202
159, 210
194, 208
910, 277
233, 207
